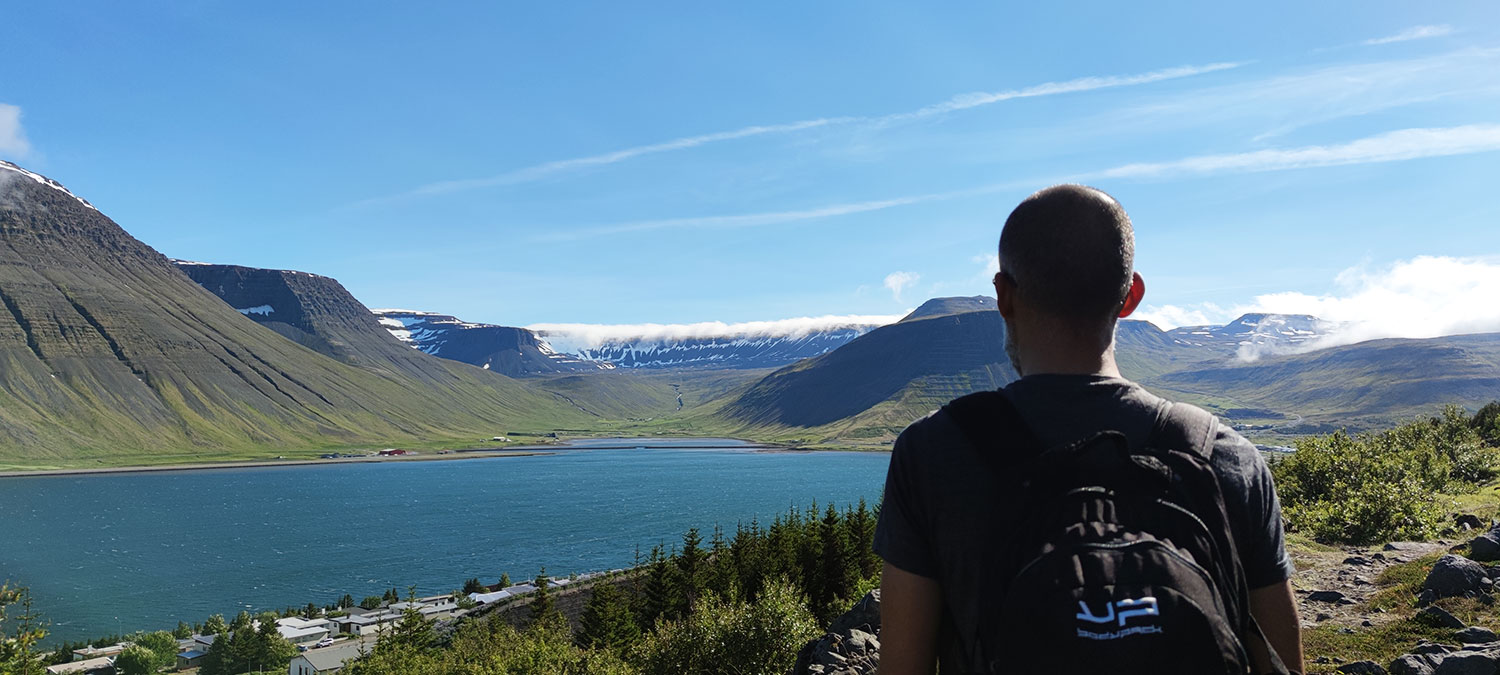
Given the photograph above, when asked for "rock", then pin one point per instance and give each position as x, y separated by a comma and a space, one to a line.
1475, 635
1425, 647
1454, 576
1356, 560
1466, 663
864, 615
1361, 668
1440, 617
1322, 617
1468, 521
1413, 664
850, 647
1325, 596
1485, 547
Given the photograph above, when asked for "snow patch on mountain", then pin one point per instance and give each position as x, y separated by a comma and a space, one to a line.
262, 310
39, 178
1255, 336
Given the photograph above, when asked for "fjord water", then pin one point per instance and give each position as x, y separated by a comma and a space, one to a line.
122, 552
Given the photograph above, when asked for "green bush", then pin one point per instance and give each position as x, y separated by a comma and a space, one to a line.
1383, 486
758, 638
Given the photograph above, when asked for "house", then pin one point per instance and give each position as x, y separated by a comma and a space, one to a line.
90, 653
327, 660
190, 659
101, 665
299, 631
366, 624
201, 643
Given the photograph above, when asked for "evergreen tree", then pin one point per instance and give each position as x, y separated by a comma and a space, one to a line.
371, 602
215, 625
654, 598
311, 611
862, 540
504, 580
473, 586
607, 620
541, 603
269, 650
392, 595
834, 583
183, 631
346, 602
691, 568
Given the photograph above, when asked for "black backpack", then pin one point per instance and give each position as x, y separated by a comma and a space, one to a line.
1120, 559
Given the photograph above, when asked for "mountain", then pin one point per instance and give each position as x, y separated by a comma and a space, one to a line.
516, 352
1368, 384
1255, 335
945, 306
867, 391
742, 350
582, 348
109, 351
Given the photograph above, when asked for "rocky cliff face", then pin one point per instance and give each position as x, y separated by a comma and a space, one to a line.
107, 348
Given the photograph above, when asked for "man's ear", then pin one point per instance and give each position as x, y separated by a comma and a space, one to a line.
1134, 295
1005, 294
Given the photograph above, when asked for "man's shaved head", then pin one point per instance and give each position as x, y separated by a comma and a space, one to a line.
1070, 251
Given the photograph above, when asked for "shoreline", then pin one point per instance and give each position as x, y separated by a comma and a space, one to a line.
533, 451
528, 450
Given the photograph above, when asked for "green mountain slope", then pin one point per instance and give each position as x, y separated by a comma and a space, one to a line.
865, 392
108, 351
1365, 385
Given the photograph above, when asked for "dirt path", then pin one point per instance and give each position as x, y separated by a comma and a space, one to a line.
1335, 588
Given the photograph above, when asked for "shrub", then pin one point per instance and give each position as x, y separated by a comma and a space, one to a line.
1373, 487
759, 638
1343, 489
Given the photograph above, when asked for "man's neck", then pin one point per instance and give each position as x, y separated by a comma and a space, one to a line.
1102, 365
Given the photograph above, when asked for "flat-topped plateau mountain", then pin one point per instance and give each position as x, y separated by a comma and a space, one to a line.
517, 352
582, 348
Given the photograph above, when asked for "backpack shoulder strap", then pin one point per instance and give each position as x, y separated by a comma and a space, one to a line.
1184, 427
991, 423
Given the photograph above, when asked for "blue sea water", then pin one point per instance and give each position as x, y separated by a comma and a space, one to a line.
123, 552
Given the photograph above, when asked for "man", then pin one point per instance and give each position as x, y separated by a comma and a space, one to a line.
1066, 277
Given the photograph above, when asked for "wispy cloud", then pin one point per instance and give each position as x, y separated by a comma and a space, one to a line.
538, 171
1413, 33
776, 217
983, 98
896, 282
13, 143
954, 104
1391, 146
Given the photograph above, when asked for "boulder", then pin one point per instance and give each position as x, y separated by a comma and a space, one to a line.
1485, 547
1361, 668
850, 647
1440, 617
1325, 596
1466, 663
1475, 635
1414, 664
1455, 576
1468, 521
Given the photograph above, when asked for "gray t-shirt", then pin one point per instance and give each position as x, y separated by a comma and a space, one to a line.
937, 518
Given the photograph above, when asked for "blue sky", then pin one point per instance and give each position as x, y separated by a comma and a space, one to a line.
685, 162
